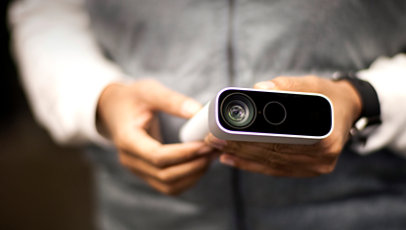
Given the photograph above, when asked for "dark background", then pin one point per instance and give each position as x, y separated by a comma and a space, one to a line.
42, 185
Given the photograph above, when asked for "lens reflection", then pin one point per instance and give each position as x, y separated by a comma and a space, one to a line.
238, 110
237, 113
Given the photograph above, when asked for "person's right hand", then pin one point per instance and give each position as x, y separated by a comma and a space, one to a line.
125, 115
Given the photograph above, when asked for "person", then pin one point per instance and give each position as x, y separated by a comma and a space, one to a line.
122, 74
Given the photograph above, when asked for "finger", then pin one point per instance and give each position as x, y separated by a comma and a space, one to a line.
173, 188
309, 158
145, 147
267, 157
213, 141
329, 147
163, 99
324, 147
256, 167
300, 84
266, 85
154, 129
323, 168
167, 175
268, 152
245, 146
317, 160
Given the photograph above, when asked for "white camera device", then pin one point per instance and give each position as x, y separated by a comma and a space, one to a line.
241, 114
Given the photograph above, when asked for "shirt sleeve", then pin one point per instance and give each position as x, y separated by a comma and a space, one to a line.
388, 77
62, 69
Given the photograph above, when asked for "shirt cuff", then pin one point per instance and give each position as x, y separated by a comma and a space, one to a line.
387, 76
87, 111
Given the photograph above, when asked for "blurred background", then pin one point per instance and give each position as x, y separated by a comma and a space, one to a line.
42, 185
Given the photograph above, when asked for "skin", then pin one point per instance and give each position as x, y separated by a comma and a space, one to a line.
297, 160
125, 114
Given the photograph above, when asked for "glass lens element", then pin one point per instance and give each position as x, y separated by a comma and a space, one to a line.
238, 110
237, 113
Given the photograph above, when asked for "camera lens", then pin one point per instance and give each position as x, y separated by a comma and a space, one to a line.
237, 113
238, 110
274, 113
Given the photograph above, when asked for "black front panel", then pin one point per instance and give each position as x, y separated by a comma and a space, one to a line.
283, 113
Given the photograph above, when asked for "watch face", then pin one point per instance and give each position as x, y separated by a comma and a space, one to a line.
274, 112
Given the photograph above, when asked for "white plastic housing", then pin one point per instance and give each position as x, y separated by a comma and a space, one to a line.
197, 127
207, 120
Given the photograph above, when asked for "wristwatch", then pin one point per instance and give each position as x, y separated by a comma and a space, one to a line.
371, 110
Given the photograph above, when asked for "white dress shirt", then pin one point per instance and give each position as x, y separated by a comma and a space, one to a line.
63, 72
62, 68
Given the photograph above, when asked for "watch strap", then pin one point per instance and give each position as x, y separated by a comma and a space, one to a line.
371, 109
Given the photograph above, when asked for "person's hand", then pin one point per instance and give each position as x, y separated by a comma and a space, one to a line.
126, 116
297, 160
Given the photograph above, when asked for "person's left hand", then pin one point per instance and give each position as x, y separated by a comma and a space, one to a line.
297, 160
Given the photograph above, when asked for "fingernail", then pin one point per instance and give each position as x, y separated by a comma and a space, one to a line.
227, 161
190, 107
265, 85
204, 150
217, 143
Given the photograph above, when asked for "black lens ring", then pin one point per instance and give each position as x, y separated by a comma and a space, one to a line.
229, 99
284, 111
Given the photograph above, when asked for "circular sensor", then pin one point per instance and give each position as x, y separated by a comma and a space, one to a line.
238, 110
275, 113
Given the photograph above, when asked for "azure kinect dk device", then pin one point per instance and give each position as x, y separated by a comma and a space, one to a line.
242, 114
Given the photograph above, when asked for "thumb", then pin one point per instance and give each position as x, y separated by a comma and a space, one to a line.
266, 85
302, 84
163, 99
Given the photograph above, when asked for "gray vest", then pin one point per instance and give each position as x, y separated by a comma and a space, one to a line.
197, 47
